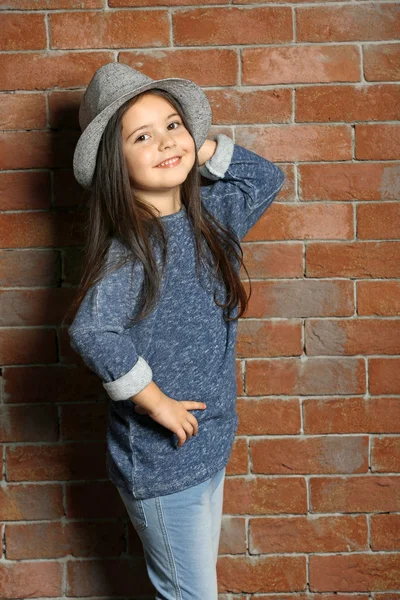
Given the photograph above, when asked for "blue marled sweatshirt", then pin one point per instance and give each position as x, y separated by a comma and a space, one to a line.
184, 345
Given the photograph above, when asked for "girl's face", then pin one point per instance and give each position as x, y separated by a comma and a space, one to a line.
161, 135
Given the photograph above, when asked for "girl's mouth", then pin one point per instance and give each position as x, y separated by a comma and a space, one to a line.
172, 162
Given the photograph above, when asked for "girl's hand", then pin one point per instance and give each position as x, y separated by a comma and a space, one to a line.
174, 415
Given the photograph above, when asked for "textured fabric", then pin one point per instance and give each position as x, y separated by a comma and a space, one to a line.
184, 345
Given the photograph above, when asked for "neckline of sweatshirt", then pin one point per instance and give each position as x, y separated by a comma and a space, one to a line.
176, 215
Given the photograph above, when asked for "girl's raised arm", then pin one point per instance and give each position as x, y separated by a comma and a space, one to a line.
99, 334
244, 185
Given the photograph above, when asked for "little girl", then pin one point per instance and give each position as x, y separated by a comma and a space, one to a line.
158, 307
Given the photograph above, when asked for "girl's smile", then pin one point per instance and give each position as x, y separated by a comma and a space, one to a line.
171, 162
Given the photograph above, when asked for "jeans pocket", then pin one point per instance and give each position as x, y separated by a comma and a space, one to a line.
135, 510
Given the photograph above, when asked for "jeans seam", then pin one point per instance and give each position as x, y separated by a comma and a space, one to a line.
168, 547
144, 523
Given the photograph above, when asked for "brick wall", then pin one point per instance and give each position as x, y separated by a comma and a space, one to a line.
312, 494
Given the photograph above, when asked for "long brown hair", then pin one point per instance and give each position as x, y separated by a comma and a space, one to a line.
114, 211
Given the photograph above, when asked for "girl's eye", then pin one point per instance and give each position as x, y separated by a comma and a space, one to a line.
177, 122
173, 122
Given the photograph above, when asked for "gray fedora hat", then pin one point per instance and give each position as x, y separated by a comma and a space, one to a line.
112, 85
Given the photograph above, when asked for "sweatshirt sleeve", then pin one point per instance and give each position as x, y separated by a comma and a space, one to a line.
99, 333
243, 185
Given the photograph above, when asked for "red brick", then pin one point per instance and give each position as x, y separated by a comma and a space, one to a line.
353, 259
352, 336
378, 298
238, 461
300, 298
261, 574
24, 346
233, 535
239, 364
29, 268
19, 190
300, 64
349, 181
31, 502
57, 461
312, 376
378, 221
381, 62
222, 63
31, 580
324, 454
42, 70
55, 4
265, 495
109, 29
274, 338
247, 106
377, 142
384, 375
351, 415
39, 149
25, 307
385, 532
348, 22
385, 454
268, 416
145, 3
32, 229
348, 103
355, 573
58, 540
28, 424
298, 142
275, 260
307, 534
23, 31
223, 26
238, 597
22, 111
362, 493
304, 221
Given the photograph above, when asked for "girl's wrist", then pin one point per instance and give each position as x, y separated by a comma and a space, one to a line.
206, 151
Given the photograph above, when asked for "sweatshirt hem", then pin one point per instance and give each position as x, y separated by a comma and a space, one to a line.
143, 493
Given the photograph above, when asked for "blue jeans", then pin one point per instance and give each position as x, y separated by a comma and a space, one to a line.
180, 536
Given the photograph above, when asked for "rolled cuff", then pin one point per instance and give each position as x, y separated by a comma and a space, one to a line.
131, 383
215, 167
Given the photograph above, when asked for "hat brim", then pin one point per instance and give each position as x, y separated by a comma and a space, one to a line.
194, 103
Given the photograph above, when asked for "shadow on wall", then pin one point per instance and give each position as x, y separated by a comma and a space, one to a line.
53, 416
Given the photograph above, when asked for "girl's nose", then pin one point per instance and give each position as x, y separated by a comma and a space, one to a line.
167, 140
